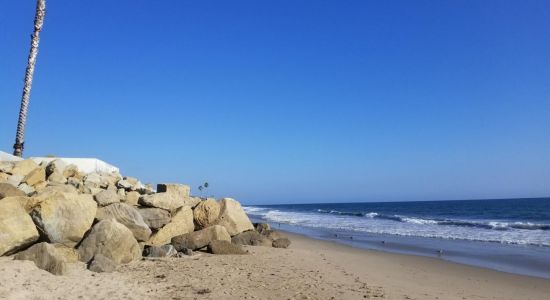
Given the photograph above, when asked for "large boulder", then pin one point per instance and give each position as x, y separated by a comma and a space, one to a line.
181, 223
132, 198
205, 213
233, 217
64, 217
200, 239
56, 187
106, 197
8, 190
28, 203
251, 238
179, 190
57, 177
165, 201
35, 176
23, 167
128, 216
17, 230
56, 166
46, 257
155, 218
169, 196
224, 247
112, 240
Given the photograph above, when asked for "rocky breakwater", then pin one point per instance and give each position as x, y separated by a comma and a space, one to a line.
59, 217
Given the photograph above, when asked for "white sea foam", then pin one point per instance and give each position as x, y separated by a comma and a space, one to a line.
372, 222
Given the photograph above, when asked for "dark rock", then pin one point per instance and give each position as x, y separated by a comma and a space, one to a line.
251, 238
199, 239
281, 243
155, 218
159, 251
100, 264
262, 227
224, 247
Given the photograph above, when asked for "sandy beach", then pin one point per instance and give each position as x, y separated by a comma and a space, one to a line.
308, 269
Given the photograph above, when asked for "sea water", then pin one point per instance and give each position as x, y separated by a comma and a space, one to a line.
511, 235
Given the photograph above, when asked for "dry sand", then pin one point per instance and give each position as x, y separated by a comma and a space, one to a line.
309, 269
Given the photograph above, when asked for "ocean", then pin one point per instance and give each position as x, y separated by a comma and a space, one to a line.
511, 235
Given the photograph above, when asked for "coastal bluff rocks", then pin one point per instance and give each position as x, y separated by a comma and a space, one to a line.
59, 216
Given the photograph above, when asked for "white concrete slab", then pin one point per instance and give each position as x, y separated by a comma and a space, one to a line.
86, 165
8, 157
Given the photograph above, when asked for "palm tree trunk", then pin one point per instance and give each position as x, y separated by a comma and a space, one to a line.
38, 21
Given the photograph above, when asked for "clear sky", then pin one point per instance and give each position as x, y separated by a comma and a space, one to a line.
292, 101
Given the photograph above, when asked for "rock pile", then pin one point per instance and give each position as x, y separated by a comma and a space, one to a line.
56, 215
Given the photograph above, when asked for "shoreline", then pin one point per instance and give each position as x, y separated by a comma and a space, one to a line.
420, 277
308, 269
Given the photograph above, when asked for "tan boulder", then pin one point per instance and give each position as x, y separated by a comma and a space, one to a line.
112, 240
8, 190
57, 177
233, 217
132, 198
155, 218
180, 190
35, 177
56, 166
46, 257
205, 213
199, 239
106, 197
23, 167
64, 217
17, 230
181, 223
165, 201
28, 203
128, 216
4, 177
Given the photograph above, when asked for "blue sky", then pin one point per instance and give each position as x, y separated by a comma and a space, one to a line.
292, 101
